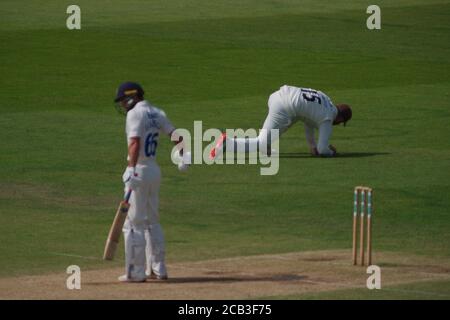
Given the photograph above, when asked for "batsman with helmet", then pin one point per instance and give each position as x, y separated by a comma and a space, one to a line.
143, 234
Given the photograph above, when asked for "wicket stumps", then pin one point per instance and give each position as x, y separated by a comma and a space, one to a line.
364, 195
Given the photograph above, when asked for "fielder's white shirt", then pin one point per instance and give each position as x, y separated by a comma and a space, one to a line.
311, 106
316, 110
147, 122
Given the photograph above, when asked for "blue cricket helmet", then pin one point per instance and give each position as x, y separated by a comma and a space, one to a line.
127, 90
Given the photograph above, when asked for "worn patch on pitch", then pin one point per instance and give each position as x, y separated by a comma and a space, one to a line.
235, 278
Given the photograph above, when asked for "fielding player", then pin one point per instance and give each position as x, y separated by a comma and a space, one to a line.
143, 234
287, 106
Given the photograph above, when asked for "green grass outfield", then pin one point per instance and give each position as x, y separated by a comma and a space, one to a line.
432, 290
63, 146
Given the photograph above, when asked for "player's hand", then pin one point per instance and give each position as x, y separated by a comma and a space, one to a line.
314, 152
134, 182
185, 161
129, 172
183, 167
130, 179
333, 149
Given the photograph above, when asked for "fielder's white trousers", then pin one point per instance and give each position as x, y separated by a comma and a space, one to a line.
277, 118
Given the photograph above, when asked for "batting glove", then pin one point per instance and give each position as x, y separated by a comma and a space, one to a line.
129, 172
134, 182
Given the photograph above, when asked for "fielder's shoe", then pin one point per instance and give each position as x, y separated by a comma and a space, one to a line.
153, 276
124, 278
219, 146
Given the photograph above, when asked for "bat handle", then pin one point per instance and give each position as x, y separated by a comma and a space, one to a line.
128, 195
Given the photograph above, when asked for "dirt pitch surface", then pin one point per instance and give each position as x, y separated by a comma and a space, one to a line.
235, 278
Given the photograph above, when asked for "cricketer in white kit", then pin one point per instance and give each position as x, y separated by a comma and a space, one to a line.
287, 106
143, 234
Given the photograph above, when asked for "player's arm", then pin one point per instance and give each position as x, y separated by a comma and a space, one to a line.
170, 130
130, 170
133, 151
323, 147
311, 140
177, 140
135, 130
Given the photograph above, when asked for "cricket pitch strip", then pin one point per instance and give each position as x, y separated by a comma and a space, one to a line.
249, 277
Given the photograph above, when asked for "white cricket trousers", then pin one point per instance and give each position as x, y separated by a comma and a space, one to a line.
278, 117
143, 234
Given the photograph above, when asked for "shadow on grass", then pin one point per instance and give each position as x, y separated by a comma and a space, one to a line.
275, 278
339, 155
216, 279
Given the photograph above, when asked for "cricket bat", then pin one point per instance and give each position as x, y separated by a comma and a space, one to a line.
116, 229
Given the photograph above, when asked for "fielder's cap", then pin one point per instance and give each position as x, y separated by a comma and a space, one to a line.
128, 89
